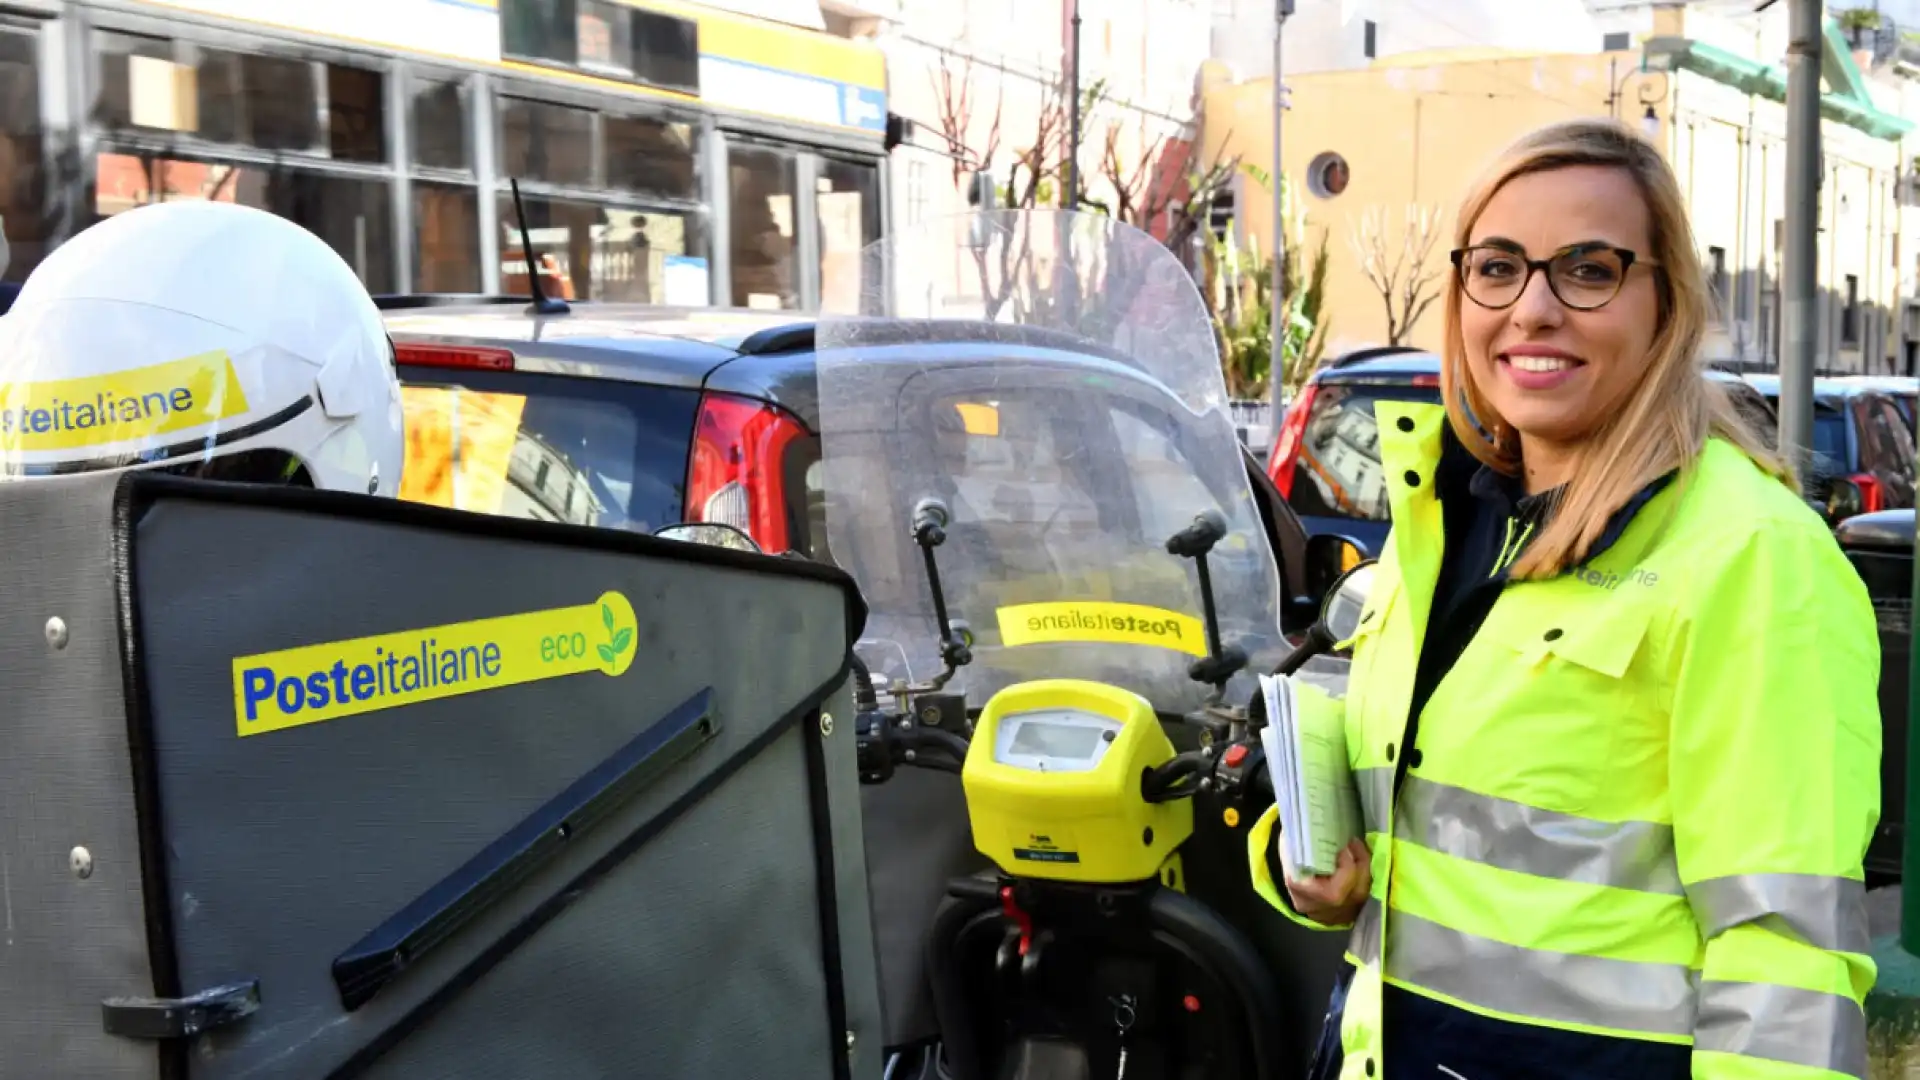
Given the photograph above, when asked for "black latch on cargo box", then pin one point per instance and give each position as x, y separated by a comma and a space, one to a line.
180, 1018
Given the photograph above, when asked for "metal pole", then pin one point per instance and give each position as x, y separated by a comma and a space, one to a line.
1800, 277
1277, 332
1073, 148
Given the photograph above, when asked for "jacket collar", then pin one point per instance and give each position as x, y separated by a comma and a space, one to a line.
1417, 440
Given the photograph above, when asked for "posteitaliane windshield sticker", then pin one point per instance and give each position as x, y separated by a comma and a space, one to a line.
1101, 621
312, 684
136, 405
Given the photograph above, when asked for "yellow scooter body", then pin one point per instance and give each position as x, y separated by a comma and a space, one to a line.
1053, 782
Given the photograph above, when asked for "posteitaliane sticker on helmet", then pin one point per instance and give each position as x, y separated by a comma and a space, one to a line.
137, 405
316, 683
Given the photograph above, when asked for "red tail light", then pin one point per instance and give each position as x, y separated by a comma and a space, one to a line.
1426, 380
738, 472
453, 356
1872, 496
1280, 462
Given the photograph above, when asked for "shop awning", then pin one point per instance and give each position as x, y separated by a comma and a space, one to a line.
1846, 101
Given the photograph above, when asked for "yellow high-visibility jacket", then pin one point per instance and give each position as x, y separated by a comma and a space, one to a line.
1642, 797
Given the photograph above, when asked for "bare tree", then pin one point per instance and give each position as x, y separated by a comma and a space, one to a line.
1399, 271
956, 103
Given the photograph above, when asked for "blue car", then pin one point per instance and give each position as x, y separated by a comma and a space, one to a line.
1326, 459
1863, 448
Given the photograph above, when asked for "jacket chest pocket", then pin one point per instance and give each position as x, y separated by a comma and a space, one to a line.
1553, 701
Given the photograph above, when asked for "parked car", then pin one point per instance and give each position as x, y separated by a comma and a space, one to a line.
1880, 546
1326, 460
1903, 389
1863, 447
635, 417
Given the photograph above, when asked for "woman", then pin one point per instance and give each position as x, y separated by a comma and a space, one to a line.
1613, 695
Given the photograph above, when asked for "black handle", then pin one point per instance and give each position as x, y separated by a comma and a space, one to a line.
180, 1018
1198, 538
1169, 781
1318, 641
930, 519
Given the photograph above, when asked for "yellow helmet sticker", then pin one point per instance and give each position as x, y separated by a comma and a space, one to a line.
124, 406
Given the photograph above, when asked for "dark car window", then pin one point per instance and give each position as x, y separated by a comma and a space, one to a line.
1337, 468
1891, 460
1831, 456
549, 447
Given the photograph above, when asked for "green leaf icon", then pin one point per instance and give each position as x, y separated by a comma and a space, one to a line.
622, 639
606, 653
606, 616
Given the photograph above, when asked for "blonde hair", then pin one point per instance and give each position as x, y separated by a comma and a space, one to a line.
1667, 417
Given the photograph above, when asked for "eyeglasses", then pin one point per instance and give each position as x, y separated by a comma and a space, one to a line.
1584, 277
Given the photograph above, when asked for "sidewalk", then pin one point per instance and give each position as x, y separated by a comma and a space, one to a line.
1893, 1006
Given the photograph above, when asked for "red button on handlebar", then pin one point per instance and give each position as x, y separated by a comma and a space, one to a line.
1236, 754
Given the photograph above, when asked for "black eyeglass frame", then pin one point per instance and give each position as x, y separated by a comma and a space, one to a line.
1627, 258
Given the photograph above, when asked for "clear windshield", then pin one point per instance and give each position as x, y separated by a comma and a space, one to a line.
1052, 379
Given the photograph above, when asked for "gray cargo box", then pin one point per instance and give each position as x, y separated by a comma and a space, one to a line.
299, 785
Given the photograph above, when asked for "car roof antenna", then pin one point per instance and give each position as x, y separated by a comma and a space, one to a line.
542, 303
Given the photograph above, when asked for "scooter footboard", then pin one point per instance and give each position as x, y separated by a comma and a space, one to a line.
1138, 968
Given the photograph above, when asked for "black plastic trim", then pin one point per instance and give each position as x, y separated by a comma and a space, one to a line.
413, 301
820, 811
139, 488
1374, 353
1228, 951
375, 961
156, 886
793, 337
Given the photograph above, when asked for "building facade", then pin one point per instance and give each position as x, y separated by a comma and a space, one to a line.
985, 86
1688, 77
664, 152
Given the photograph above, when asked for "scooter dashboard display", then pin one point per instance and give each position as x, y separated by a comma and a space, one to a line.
1055, 740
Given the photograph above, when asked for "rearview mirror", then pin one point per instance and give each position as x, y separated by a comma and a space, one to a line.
712, 534
1844, 500
1330, 555
1339, 617
1346, 600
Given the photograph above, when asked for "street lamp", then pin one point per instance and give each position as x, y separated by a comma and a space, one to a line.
1649, 97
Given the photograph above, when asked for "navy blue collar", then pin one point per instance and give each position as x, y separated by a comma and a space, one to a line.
1506, 495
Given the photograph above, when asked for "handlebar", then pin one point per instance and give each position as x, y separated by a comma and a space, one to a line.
1235, 771
884, 742
1208, 528
918, 740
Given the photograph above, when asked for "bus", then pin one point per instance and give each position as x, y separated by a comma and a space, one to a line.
664, 152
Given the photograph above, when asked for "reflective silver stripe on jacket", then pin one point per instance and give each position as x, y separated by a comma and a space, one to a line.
1625, 995
1782, 1023
1364, 941
1376, 796
1501, 833
1824, 912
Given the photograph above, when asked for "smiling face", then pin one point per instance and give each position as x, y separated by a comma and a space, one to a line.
1555, 366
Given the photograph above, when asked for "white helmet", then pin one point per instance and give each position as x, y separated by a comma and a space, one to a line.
204, 338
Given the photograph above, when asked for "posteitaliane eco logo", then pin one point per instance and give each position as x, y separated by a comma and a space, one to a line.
312, 684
